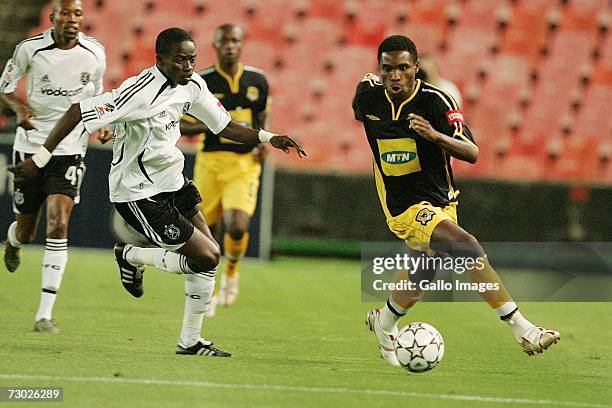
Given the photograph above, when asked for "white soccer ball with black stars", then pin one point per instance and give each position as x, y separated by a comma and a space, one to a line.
419, 347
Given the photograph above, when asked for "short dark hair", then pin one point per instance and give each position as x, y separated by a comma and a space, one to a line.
398, 43
220, 30
170, 37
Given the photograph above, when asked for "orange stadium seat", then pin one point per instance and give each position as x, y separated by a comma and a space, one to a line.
506, 76
581, 15
594, 119
568, 46
427, 38
467, 48
481, 14
304, 57
348, 65
333, 10
268, 20
259, 54
517, 167
526, 32
603, 69
433, 12
318, 30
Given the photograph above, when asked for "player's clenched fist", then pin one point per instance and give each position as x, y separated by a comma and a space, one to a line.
423, 127
24, 170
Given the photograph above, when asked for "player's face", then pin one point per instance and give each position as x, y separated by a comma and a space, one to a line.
179, 63
67, 18
397, 72
228, 45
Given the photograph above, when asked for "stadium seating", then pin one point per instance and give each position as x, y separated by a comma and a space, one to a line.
536, 75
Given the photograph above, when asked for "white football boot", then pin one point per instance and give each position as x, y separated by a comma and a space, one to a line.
230, 288
386, 340
538, 339
212, 307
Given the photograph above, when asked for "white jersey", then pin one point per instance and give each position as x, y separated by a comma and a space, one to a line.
146, 111
55, 80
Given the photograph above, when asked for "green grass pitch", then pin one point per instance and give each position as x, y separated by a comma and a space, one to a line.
299, 339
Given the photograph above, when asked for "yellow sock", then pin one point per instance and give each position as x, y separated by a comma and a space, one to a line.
486, 274
234, 251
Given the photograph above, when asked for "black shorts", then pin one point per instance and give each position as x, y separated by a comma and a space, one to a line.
62, 175
165, 218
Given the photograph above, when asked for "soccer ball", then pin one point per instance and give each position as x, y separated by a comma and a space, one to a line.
419, 347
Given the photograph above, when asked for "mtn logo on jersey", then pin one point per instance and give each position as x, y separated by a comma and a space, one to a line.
454, 116
60, 91
398, 157
102, 110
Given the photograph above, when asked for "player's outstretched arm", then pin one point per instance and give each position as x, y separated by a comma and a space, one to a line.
28, 168
191, 126
242, 134
459, 149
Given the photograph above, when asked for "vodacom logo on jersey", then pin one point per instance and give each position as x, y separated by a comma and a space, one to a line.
60, 91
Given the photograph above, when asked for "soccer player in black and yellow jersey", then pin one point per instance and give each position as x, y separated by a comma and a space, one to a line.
227, 173
413, 129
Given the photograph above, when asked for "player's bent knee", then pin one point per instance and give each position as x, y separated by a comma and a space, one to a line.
470, 247
57, 228
25, 237
236, 232
206, 260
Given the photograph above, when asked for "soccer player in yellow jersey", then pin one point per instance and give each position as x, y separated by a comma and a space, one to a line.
413, 129
227, 173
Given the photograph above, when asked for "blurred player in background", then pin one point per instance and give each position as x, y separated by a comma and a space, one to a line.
227, 173
424, 125
428, 72
146, 181
62, 66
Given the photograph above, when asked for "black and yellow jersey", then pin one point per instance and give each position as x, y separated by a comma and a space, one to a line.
245, 96
408, 168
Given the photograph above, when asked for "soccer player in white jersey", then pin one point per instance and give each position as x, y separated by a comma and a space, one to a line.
146, 179
62, 67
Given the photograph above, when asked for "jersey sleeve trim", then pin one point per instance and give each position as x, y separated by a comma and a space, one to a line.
92, 53
196, 82
47, 48
134, 89
453, 113
161, 89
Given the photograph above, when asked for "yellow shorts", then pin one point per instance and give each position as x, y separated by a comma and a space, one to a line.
226, 181
416, 224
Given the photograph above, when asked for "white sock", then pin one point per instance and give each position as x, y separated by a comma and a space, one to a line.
522, 327
390, 314
506, 309
11, 235
198, 292
160, 258
53, 265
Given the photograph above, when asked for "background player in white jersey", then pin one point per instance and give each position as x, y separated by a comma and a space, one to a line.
62, 66
146, 182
